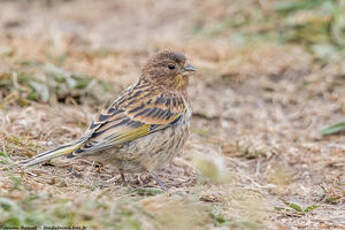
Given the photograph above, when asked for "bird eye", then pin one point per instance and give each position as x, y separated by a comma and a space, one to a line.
171, 66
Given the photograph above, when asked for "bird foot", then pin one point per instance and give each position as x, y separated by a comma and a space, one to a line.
158, 181
124, 181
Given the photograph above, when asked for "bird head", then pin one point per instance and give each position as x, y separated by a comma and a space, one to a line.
169, 70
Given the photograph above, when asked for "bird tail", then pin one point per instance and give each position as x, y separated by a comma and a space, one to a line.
45, 156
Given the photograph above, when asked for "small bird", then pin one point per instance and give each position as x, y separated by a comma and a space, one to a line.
144, 128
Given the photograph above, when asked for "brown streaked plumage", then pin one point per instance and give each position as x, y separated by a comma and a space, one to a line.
145, 127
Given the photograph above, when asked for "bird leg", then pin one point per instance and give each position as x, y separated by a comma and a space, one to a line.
158, 181
124, 182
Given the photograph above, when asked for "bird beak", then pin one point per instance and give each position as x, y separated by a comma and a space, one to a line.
189, 68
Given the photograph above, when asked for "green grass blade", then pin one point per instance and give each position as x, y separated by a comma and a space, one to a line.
334, 129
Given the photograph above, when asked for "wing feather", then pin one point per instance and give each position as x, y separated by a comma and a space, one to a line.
137, 113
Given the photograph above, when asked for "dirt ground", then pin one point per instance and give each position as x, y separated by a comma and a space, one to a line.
256, 158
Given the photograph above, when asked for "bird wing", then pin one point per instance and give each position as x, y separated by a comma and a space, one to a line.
136, 114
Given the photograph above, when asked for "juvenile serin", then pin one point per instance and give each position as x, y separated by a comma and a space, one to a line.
145, 127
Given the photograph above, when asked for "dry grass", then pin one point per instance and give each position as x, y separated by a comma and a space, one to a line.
256, 158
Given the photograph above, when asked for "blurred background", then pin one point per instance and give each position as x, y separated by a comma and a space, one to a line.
267, 143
